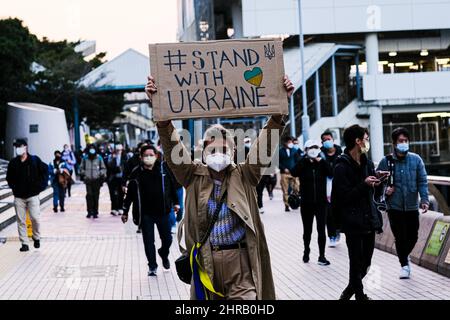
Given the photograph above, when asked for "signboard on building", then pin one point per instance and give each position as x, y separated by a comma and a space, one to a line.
229, 78
437, 238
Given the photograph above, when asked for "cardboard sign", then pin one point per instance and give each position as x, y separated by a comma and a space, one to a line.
228, 78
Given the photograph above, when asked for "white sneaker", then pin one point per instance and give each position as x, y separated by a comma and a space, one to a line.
261, 211
405, 272
332, 243
114, 212
120, 212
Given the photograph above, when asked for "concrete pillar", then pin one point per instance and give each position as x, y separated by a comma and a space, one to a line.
334, 97
317, 95
292, 117
236, 14
375, 111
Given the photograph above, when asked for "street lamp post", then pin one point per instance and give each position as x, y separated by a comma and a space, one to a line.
305, 117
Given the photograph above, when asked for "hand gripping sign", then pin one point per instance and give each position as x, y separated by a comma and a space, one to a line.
228, 78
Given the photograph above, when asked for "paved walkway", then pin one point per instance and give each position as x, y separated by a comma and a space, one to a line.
104, 259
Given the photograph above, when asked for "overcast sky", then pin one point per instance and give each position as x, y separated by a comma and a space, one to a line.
116, 25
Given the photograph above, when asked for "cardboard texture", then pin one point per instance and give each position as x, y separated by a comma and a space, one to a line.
228, 78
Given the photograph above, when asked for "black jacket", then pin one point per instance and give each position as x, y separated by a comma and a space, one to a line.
313, 180
352, 198
111, 166
129, 166
134, 192
288, 162
27, 179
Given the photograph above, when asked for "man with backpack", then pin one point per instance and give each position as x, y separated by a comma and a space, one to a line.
27, 176
93, 173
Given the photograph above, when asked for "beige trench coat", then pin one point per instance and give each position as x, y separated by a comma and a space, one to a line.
240, 183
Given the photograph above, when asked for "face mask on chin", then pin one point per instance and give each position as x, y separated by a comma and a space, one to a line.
218, 161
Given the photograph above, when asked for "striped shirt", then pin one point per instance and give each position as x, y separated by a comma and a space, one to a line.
229, 228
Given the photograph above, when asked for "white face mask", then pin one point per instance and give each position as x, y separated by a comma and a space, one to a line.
149, 160
313, 153
218, 161
290, 145
20, 151
366, 147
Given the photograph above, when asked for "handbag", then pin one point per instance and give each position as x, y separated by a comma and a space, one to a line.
183, 263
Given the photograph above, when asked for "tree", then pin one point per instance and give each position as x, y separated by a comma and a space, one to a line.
17, 52
56, 83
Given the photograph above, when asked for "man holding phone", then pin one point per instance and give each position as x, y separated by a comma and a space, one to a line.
407, 179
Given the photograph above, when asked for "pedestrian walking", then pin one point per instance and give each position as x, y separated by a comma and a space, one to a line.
288, 159
132, 163
268, 181
234, 261
153, 194
331, 151
313, 172
70, 162
114, 169
93, 173
60, 178
354, 184
27, 176
409, 181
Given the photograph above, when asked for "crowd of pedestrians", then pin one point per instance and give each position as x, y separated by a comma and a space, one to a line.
222, 199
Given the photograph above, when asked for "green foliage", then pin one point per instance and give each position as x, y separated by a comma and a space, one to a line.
57, 84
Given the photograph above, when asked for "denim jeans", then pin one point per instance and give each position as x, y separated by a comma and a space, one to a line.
58, 195
174, 218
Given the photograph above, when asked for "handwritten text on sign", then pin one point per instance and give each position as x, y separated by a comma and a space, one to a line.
218, 79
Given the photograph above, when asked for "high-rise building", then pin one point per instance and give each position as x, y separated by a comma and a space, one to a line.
378, 63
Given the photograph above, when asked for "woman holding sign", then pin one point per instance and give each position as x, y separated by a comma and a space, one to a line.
234, 261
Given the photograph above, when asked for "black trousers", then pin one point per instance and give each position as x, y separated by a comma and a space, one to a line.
92, 195
360, 252
331, 222
267, 182
69, 185
308, 212
405, 227
116, 193
148, 235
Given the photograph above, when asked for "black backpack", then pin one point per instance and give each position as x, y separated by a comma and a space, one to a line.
41, 172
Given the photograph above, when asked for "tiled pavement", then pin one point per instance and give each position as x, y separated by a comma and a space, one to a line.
104, 259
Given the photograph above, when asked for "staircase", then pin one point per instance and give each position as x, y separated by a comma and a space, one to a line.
7, 212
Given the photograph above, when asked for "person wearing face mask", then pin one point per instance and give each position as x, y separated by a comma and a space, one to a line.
27, 176
331, 151
288, 158
354, 184
234, 260
93, 173
313, 172
59, 177
114, 168
70, 160
152, 192
409, 181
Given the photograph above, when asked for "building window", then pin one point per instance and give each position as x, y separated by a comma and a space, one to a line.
34, 128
